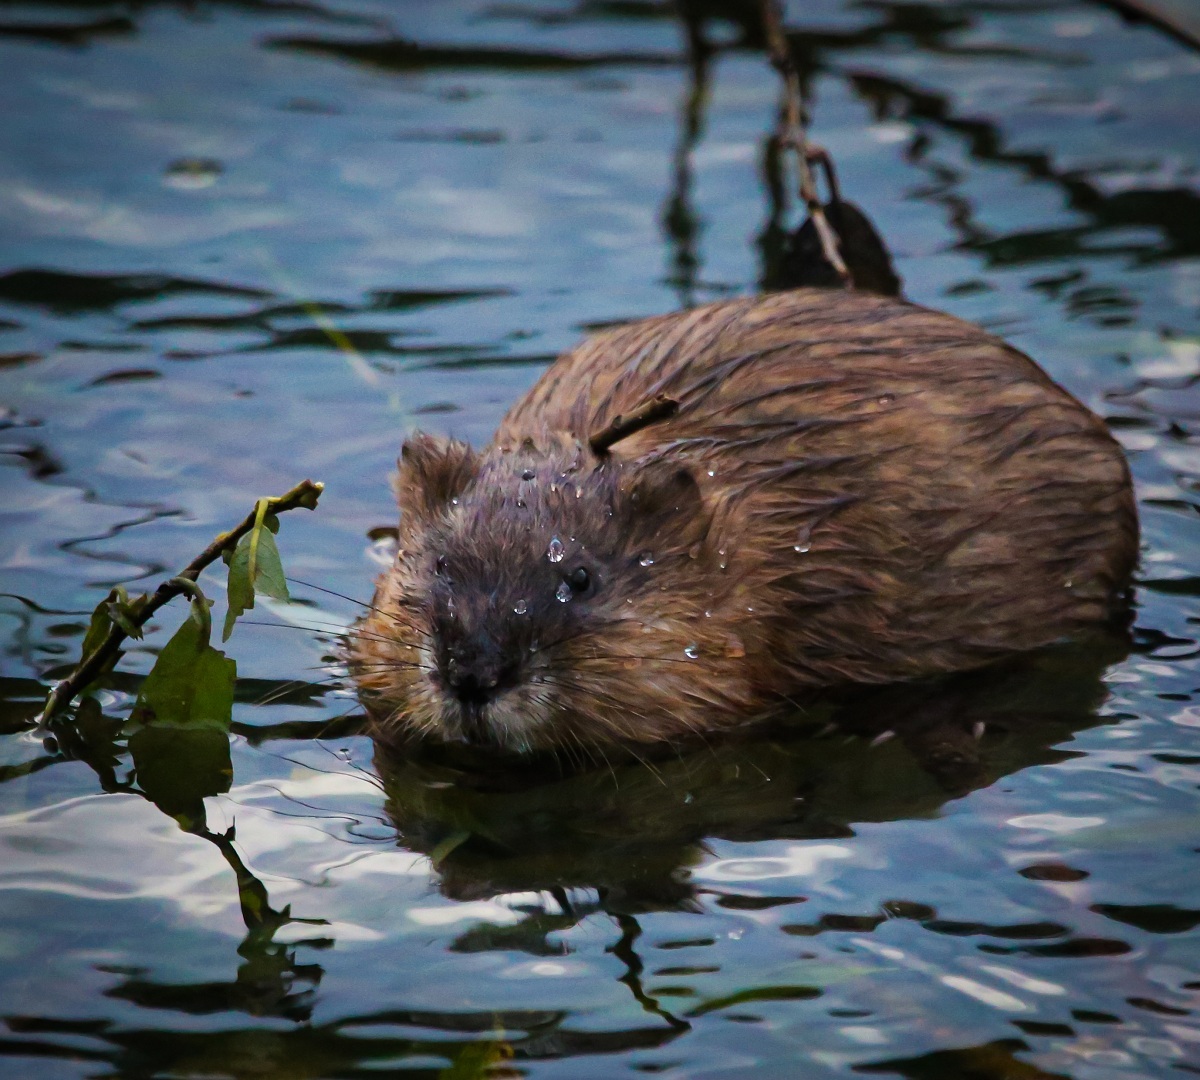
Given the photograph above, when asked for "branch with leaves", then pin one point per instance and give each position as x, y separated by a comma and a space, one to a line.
254, 566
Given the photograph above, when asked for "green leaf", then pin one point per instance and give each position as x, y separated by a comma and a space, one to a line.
268, 569
98, 628
241, 590
191, 683
97, 632
123, 615
254, 567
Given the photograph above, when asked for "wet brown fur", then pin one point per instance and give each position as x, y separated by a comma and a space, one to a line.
854, 490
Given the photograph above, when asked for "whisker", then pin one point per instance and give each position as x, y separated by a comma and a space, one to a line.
295, 684
331, 721
333, 630
612, 771
370, 777
343, 596
646, 764
692, 727
356, 668
622, 709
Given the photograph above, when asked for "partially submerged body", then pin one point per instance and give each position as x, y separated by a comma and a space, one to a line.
853, 489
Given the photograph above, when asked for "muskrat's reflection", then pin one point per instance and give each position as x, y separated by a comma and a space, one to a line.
625, 831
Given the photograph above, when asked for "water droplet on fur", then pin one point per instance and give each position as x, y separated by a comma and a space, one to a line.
646, 558
520, 607
555, 551
886, 399
534, 645
563, 593
692, 651
708, 614
528, 474
694, 551
712, 472
802, 549
453, 502
521, 503
1068, 583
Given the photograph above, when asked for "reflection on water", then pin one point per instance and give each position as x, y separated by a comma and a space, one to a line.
244, 243
632, 829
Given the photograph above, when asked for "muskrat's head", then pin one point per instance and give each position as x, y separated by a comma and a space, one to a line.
543, 596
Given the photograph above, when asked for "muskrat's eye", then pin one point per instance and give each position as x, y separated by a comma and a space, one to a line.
579, 579
439, 567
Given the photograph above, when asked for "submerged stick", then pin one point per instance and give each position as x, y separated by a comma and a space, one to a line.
792, 134
304, 494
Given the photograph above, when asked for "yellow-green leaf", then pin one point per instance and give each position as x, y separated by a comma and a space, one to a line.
268, 569
241, 590
254, 566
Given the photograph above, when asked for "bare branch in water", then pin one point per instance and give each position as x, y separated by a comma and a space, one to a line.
792, 135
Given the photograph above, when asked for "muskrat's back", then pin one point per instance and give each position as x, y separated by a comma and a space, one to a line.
852, 490
915, 494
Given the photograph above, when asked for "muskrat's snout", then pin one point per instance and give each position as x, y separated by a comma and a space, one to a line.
474, 670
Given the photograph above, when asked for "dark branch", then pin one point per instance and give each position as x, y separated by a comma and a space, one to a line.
792, 135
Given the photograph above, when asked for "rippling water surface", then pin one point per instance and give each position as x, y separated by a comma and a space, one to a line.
244, 243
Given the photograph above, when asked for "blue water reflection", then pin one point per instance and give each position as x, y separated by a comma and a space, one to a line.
244, 243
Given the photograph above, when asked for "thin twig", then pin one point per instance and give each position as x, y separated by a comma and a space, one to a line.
793, 135
304, 494
621, 427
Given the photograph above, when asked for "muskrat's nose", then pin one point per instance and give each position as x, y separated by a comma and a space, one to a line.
477, 675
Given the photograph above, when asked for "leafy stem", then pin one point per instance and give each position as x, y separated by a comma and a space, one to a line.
126, 618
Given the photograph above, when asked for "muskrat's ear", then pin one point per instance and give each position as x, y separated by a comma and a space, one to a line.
431, 472
663, 504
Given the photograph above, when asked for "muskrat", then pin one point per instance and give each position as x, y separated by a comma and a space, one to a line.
693, 519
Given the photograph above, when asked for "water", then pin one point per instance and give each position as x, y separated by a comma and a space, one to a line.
241, 244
